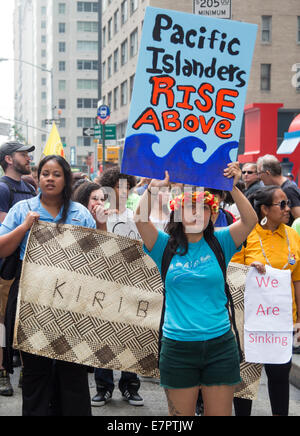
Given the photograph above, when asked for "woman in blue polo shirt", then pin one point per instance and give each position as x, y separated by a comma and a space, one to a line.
198, 347
53, 205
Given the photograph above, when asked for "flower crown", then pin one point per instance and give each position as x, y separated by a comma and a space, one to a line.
196, 197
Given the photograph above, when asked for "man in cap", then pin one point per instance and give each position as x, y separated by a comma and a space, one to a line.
15, 162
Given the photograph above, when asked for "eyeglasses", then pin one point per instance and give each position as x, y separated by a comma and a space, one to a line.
249, 172
283, 204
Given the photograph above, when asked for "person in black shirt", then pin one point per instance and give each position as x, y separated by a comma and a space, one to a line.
270, 172
15, 162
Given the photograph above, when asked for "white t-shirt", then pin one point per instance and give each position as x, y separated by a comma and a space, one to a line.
123, 224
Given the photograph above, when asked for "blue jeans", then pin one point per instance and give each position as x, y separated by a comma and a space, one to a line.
104, 379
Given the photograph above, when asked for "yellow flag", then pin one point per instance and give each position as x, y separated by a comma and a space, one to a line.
54, 144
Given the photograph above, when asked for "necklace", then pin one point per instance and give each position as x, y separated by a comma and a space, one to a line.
289, 248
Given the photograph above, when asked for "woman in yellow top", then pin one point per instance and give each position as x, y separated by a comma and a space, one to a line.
275, 244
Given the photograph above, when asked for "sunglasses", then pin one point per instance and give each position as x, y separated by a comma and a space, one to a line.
248, 172
283, 204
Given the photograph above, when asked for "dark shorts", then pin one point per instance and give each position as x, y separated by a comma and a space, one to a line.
208, 363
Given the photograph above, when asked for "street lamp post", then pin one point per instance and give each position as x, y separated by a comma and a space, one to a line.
40, 68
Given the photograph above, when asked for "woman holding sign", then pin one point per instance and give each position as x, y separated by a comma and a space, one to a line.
198, 347
273, 243
46, 382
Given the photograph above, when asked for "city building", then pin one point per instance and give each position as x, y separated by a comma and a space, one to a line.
60, 39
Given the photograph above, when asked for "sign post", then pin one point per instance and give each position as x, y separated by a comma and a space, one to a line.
103, 115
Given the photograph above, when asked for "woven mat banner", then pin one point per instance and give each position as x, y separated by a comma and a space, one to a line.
89, 297
250, 372
95, 298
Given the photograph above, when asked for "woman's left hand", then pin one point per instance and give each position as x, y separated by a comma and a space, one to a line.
233, 170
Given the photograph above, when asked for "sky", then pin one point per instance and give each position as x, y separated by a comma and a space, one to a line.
6, 68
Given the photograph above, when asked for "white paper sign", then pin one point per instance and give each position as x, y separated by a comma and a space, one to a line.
268, 301
268, 347
268, 316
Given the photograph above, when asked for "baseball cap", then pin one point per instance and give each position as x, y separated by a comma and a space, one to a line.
10, 147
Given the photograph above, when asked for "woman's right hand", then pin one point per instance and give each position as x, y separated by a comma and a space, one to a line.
155, 183
260, 267
31, 218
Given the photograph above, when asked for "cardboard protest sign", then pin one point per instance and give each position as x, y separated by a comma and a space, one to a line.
268, 316
188, 98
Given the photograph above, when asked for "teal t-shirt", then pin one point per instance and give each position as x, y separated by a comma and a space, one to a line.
195, 289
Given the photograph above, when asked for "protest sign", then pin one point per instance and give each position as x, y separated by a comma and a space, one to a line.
188, 98
268, 316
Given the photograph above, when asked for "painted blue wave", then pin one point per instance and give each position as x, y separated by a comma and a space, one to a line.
179, 161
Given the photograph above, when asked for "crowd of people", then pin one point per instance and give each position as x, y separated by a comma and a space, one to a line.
256, 224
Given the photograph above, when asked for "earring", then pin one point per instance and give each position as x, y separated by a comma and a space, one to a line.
264, 221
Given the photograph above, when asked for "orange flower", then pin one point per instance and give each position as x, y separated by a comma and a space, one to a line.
196, 197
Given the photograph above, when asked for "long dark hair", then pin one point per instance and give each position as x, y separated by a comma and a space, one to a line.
83, 192
178, 238
263, 197
67, 191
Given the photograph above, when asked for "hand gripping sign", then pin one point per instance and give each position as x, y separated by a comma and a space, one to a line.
268, 316
188, 99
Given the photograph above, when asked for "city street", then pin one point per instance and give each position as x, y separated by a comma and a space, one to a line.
154, 397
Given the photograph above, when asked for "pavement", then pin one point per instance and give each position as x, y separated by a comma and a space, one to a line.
154, 397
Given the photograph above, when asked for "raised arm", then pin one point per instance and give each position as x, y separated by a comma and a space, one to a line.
144, 225
11, 241
248, 218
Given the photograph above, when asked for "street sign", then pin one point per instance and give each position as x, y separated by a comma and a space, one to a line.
213, 8
57, 121
88, 131
103, 114
110, 131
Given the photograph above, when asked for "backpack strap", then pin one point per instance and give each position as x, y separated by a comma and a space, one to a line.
166, 260
13, 190
215, 246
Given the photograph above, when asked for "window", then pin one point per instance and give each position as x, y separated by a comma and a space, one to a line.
61, 66
43, 53
109, 67
87, 45
84, 141
44, 95
87, 7
124, 93
62, 8
103, 37
103, 71
62, 123
61, 27
116, 21
116, 98
87, 26
85, 122
109, 30
43, 24
43, 81
43, 10
87, 65
124, 12
133, 6
43, 39
61, 47
265, 77
124, 52
131, 85
109, 99
134, 43
62, 85
266, 28
116, 60
62, 103
298, 32
87, 84
87, 103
